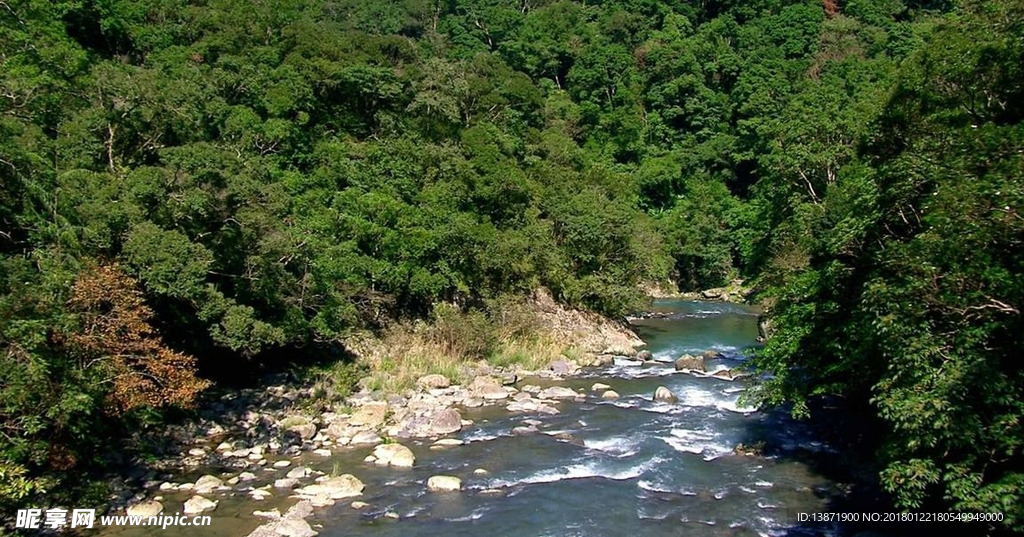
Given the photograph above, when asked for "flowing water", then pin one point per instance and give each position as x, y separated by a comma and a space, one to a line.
630, 466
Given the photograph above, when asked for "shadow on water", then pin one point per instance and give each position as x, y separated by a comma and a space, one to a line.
837, 442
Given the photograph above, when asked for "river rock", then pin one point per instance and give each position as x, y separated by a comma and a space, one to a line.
286, 483
145, 509
430, 382
305, 431
445, 421
260, 494
272, 514
198, 504
335, 488
569, 438
558, 392
600, 387
363, 438
359, 505
371, 415
524, 430
488, 388
644, 355
689, 362
298, 472
445, 443
393, 455
282, 463
563, 368
665, 395
444, 483
294, 527
207, 484
610, 394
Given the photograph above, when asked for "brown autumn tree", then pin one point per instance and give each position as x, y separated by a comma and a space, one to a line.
116, 335
831, 7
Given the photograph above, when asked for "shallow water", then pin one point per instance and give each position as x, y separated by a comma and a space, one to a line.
626, 467
644, 467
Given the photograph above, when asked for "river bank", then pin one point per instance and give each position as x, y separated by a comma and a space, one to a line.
249, 441
654, 444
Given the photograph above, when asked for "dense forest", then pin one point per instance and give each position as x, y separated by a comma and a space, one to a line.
191, 187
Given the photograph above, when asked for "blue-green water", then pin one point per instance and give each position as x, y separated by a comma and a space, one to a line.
636, 467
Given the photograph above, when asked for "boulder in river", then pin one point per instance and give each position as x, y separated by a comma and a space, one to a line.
444, 483
365, 438
445, 421
644, 355
145, 509
688, 362
294, 527
600, 387
558, 392
393, 455
712, 355
665, 395
335, 488
198, 504
610, 394
563, 368
207, 484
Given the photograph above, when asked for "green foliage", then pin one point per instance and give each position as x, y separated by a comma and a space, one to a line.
906, 295
282, 174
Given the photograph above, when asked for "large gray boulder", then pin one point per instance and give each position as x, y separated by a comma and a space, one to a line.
665, 395
207, 484
145, 509
444, 483
370, 415
558, 392
488, 388
198, 504
335, 488
445, 421
393, 455
688, 362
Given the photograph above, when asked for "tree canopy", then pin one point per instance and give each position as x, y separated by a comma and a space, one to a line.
191, 186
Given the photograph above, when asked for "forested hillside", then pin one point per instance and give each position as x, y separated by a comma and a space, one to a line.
195, 187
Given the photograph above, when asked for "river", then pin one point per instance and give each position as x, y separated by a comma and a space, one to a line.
644, 467
630, 466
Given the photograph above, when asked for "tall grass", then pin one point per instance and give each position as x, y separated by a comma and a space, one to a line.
453, 342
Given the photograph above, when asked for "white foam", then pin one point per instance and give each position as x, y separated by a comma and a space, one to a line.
580, 471
635, 372
652, 487
476, 514
698, 442
694, 396
618, 446
480, 436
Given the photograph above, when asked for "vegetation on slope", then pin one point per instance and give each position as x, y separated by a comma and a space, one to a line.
193, 186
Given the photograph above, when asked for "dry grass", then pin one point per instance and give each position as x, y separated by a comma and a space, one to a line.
453, 342
406, 353
512, 334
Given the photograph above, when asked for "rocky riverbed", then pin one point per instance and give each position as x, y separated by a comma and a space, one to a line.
258, 435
